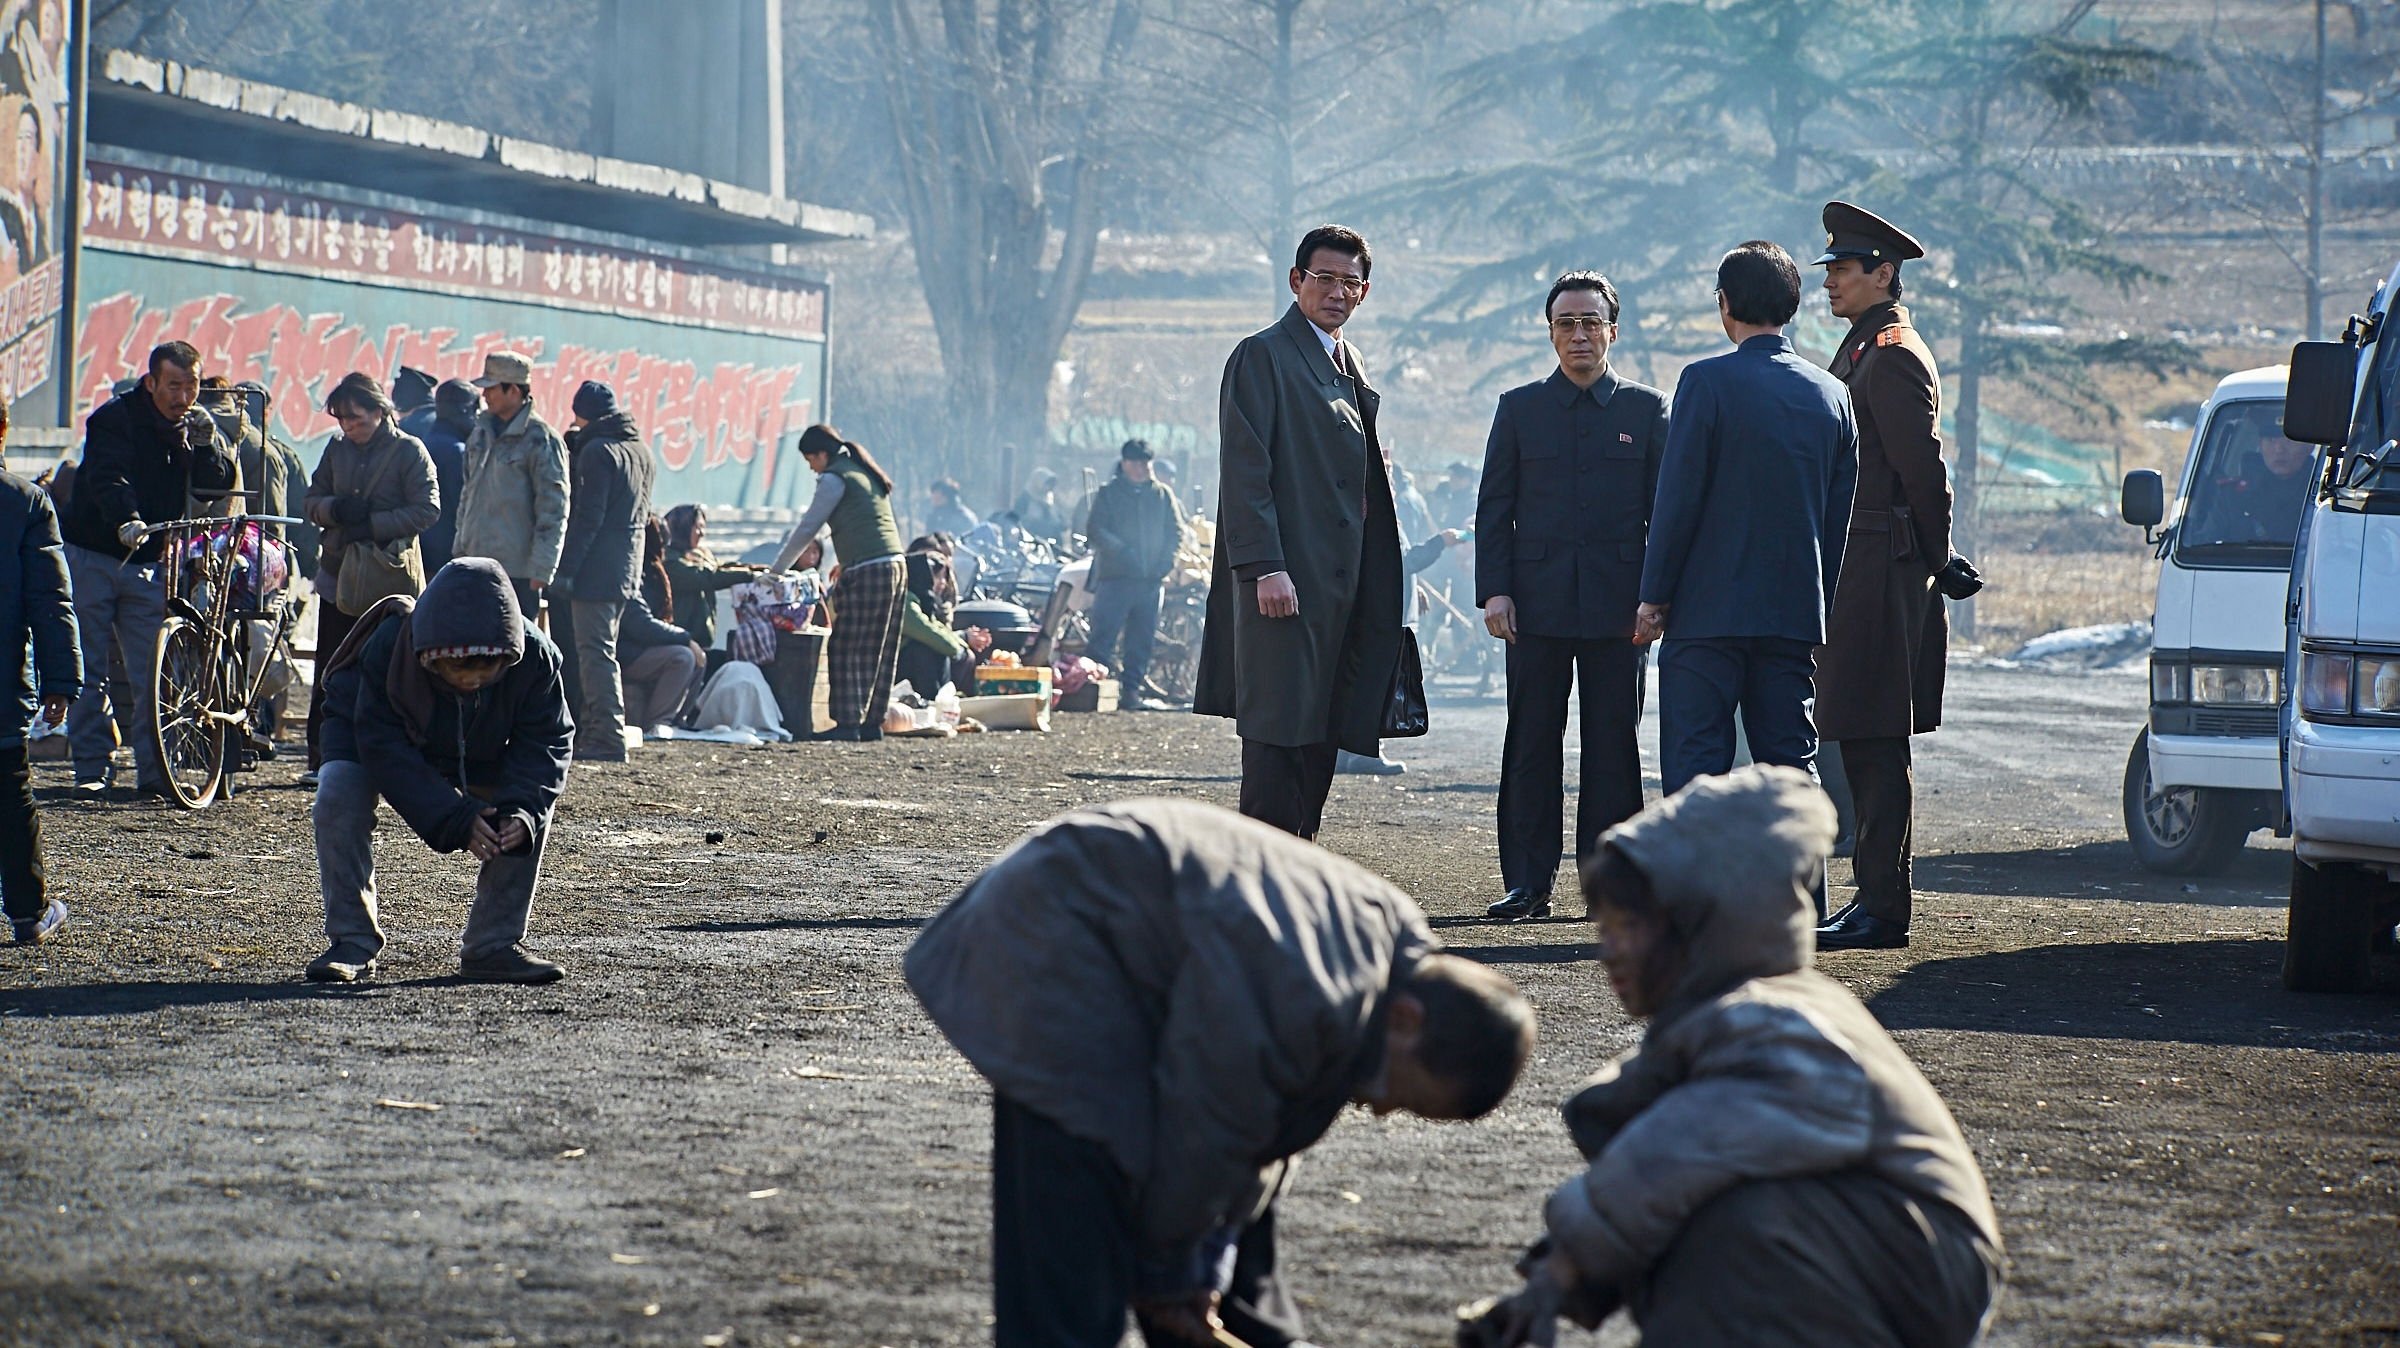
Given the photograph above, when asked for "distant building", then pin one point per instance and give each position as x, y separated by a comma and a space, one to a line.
293, 238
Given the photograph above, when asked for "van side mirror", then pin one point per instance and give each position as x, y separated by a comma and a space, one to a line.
2144, 500
2323, 388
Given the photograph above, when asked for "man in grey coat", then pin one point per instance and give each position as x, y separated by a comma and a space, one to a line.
1170, 1002
1305, 600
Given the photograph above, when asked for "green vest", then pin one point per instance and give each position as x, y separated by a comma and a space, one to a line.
861, 523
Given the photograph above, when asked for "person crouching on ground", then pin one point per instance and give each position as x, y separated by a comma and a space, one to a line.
1767, 1166
1170, 1001
451, 708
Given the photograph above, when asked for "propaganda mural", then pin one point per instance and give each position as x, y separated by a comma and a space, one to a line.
35, 75
721, 369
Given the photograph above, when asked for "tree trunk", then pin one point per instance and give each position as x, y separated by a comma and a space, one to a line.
1283, 172
1001, 156
1965, 525
2316, 189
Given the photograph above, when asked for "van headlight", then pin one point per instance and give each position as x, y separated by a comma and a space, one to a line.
2233, 685
2174, 681
2345, 684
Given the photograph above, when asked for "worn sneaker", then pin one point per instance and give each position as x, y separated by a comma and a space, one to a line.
34, 931
92, 786
509, 965
344, 963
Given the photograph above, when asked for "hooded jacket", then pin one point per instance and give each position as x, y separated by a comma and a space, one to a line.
1756, 1066
602, 557
39, 651
438, 757
1195, 991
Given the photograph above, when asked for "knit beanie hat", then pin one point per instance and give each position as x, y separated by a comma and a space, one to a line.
595, 400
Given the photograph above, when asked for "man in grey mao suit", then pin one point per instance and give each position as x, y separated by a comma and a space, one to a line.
1746, 535
1568, 476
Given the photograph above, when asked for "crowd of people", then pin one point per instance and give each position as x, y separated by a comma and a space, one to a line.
1170, 1000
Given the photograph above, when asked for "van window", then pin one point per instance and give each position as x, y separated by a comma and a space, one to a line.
2247, 492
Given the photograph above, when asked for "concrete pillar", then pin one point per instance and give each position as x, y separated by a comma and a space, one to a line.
695, 85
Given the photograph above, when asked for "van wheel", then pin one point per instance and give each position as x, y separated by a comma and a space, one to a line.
2182, 830
2329, 935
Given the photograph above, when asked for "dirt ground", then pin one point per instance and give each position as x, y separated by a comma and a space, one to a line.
731, 1125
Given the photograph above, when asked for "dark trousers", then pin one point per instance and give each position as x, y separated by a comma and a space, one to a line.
333, 628
1125, 608
1063, 1246
1883, 793
1703, 682
1541, 671
1841, 1260
1285, 784
23, 881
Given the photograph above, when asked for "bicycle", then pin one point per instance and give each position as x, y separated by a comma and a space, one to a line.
226, 577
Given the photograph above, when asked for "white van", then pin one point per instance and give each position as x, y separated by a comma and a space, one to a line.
2342, 724
2204, 774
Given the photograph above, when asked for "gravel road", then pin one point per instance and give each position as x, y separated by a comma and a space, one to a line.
730, 1125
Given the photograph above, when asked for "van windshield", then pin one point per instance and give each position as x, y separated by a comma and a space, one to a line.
2247, 491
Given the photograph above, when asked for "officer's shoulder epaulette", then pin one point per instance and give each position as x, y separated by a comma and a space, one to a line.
1891, 336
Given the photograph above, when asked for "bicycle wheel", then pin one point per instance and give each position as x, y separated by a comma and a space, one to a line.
190, 741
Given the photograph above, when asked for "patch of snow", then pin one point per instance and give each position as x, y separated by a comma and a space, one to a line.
2108, 646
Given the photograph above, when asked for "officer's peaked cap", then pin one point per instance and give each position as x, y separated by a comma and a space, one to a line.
1854, 231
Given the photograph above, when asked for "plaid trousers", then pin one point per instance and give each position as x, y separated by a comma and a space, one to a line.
864, 647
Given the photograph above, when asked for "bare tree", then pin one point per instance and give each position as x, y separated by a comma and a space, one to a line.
2313, 124
1006, 114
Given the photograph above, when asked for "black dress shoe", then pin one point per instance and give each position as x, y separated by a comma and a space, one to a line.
1840, 915
1862, 931
1521, 905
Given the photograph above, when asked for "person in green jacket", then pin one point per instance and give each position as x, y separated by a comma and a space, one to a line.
695, 574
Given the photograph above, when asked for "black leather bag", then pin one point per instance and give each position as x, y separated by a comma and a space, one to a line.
1404, 714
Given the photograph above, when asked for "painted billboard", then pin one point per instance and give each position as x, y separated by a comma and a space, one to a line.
35, 88
721, 368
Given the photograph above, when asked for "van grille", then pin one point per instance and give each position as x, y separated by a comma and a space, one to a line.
2261, 721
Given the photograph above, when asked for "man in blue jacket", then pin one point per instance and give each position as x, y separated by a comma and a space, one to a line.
443, 426
41, 671
449, 707
1746, 535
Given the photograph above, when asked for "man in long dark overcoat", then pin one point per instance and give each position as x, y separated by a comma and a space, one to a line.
1304, 607
1879, 676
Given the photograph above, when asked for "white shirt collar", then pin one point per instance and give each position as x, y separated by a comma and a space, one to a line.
1325, 339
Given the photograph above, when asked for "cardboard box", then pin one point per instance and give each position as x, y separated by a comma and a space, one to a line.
1009, 711
1097, 695
999, 680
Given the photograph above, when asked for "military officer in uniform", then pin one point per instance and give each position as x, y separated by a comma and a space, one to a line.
1569, 472
1879, 676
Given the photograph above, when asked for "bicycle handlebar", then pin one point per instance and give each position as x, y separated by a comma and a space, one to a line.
216, 521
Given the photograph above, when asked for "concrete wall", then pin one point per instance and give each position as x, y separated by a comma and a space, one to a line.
696, 85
